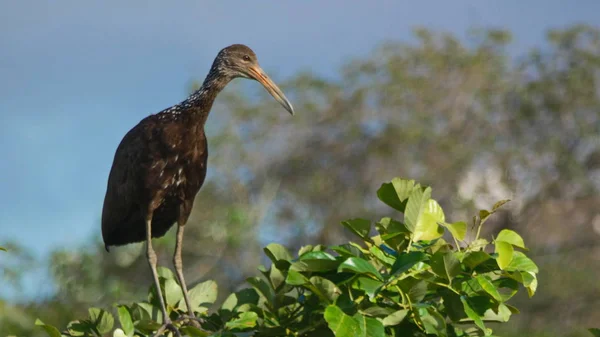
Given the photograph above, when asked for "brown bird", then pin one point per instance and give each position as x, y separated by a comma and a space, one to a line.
160, 165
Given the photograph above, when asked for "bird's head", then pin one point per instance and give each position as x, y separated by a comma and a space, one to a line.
239, 60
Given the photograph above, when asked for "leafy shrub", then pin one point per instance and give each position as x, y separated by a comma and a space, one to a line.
405, 280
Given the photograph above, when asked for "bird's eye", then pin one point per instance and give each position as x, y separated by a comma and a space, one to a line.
246, 57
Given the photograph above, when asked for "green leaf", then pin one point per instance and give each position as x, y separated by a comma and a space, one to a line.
594, 331
277, 252
502, 315
341, 324
102, 319
417, 202
244, 296
381, 256
423, 215
119, 333
505, 253
499, 204
366, 284
125, 320
193, 331
511, 237
245, 321
521, 262
276, 276
359, 266
457, 229
360, 227
347, 250
472, 314
473, 259
50, 330
325, 288
295, 278
165, 273
369, 327
405, 261
432, 321
205, 292
173, 292
396, 192
489, 287
263, 289
4, 250
315, 261
395, 318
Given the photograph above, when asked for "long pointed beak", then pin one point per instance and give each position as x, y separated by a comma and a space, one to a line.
258, 74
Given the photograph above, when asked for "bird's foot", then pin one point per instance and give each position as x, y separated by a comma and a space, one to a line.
168, 326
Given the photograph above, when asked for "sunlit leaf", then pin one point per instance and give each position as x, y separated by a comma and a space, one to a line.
511, 237
203, 293
366, 284
369, 327
125, 320
173, 292
50, 330
360, 227
395, 318
101, 319
395, 193
245, 321
472, 314
406, 261
521, 262
499, 204
505, 253
457, 229
489, 287
341, 324
359, 266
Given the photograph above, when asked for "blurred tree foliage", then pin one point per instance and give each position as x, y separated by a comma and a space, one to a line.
460, 115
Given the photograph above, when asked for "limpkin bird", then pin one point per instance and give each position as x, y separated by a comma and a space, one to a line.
160, 165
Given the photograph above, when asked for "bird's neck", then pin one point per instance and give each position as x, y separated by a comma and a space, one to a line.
201, 101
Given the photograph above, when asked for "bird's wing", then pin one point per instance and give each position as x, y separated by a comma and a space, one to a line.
125, 201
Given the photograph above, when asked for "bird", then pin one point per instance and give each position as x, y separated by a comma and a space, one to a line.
160, 165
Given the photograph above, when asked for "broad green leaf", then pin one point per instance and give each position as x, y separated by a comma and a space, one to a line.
417, 202
473, 259
173, 292
165, 273
3, 249
451, 265
489, 287
505, 253
395, 318
503, 314
366, 284
202, 293
50, 330
245, 321
276, 276
277, 252
369, 327
377, 311
341, 324
244, 296
305, 249
359, 266
521, 262
325, 288
360, 227
472, 314
406, 261
101, 319
484, 214
381, 256
432, 321
315, 261
295, 278
511, 237
347, 250
457, 229
262, 288
125, 320
396, 192
478, 245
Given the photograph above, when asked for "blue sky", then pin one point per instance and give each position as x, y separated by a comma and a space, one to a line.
75, 76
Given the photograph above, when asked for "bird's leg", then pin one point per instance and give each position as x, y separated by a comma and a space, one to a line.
179, 270
152, 260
